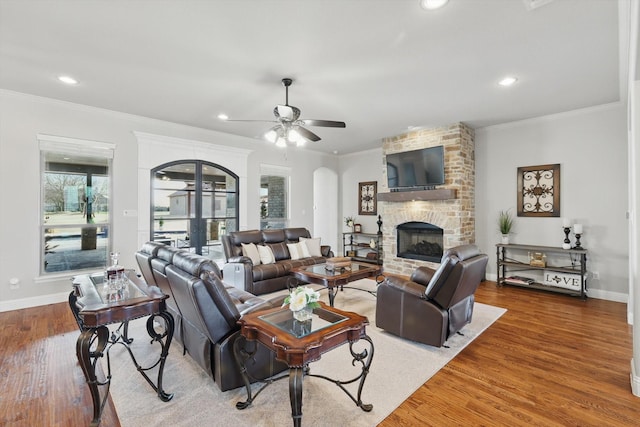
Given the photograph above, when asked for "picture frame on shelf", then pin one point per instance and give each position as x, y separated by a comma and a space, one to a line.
539, 191
367, 203
357, 228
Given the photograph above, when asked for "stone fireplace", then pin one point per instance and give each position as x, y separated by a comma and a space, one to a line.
449, 208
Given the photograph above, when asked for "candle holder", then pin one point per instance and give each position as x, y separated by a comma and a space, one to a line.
567, 243
577, 246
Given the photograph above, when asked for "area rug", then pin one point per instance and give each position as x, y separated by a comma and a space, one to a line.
399, 367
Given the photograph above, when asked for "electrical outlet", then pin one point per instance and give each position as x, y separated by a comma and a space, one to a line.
595, 275
14, 283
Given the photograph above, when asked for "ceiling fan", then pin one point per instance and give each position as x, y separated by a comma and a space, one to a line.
289, 127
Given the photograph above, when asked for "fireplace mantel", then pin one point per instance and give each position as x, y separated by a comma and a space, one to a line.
408, 196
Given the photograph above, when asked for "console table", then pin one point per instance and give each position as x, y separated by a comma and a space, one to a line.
566, 261
95, 307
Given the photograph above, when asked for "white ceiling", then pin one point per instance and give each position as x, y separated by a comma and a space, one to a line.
378, 65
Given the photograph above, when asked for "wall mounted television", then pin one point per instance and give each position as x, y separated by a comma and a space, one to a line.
416, 169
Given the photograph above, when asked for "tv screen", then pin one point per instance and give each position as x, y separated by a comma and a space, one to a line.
417, 168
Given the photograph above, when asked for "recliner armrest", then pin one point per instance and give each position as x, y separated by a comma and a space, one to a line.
407, 286
326, 252
241, 259
422, 275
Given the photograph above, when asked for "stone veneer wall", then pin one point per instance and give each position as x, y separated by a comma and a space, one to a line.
456, 216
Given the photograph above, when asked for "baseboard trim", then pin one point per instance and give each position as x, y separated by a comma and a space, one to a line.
18, 304
591, 293
635, 380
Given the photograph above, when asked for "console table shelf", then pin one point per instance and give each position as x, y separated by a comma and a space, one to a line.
576, 265
358, 247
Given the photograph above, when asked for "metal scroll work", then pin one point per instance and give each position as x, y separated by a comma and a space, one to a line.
539, 191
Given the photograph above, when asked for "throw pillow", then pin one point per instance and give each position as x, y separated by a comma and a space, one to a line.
250, 250
311, 247
295, 250
266, 254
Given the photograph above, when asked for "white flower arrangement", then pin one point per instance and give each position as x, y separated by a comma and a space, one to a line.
302, 297
349, 221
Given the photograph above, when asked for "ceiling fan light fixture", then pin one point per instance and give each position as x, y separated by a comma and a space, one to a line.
294, 136
281, 142
271, 136
432, 4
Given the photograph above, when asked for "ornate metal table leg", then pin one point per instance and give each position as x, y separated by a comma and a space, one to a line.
331, 290
88, 359
295, 394
364, 358
241, 354
167, 336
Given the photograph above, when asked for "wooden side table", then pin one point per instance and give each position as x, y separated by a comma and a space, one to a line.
299, 343
94, 308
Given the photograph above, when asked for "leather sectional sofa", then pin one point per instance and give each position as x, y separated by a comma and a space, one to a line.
260, 278
206, 312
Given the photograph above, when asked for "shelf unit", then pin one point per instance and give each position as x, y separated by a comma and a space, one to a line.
577, 265
360, 245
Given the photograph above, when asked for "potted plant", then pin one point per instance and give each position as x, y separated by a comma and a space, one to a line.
505, 225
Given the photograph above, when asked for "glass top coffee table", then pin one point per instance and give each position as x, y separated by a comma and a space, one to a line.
298, 343
336, 278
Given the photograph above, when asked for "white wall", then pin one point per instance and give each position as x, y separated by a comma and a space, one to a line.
591, 147
355, 168
22, 117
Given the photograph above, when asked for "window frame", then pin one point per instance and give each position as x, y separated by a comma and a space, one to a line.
279, 171
74, 147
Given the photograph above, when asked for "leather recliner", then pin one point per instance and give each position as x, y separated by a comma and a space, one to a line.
209, 312
433, 304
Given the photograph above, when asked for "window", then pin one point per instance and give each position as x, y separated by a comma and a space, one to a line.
75, 220
274, 197
193, 203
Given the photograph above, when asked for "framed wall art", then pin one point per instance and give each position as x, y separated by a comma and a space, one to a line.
367, 204
539, 191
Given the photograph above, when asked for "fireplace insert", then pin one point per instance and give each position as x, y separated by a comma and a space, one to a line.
419, 240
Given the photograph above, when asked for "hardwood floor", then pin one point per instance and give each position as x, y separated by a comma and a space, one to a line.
551, 360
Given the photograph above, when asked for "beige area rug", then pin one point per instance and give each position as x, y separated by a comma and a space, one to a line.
399, 367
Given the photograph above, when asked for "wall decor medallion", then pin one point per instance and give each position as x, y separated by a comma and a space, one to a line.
539, 191
367, 203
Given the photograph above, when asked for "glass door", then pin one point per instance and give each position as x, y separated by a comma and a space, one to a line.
193, 204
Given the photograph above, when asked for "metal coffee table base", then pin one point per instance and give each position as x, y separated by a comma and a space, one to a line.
296, 375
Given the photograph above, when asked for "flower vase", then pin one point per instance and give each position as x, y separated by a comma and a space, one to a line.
303, 314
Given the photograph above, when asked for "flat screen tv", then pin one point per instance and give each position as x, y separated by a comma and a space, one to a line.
422, 168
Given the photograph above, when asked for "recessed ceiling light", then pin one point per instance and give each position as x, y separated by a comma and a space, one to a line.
507, 81
223, 116
432, 4
68, 80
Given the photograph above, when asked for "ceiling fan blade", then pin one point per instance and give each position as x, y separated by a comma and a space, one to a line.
308, 134
325, 123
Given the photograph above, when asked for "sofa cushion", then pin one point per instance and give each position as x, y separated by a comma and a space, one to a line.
295, 250
294, 234
280, 251
310, 247
266, 254
272, 235
250, 250
270, 271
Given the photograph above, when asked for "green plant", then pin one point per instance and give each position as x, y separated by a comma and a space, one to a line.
349, 221
505, 222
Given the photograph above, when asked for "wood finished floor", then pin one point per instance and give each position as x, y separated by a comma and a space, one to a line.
551, 360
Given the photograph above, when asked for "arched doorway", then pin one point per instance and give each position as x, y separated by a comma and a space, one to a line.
193, 202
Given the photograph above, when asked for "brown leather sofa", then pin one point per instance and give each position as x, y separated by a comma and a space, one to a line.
433, 304
266, 278
206, 312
